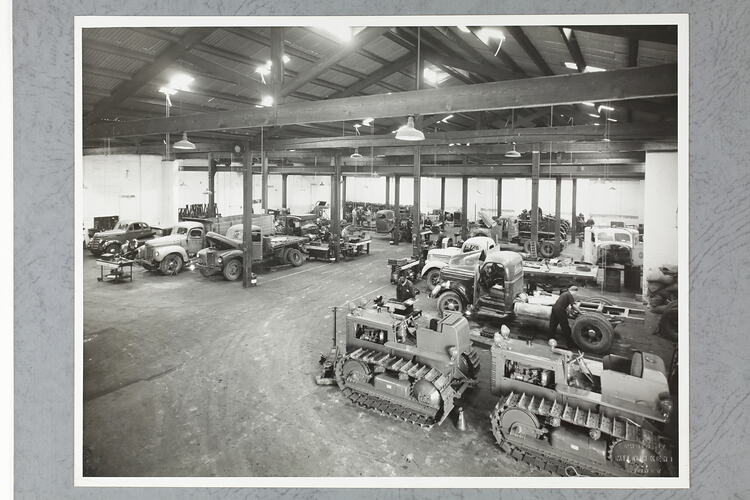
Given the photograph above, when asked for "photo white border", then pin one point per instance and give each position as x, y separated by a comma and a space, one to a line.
681, 481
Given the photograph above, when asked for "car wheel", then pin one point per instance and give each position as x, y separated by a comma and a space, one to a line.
294, 257
232, 270
171, 264
113, 249
450, 302
593, 333
432, 278
547, 249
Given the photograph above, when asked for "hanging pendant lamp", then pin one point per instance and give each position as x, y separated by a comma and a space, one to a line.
183, 143
408, 132
513, 153
355, 154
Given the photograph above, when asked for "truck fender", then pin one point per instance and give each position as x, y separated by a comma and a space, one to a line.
453, 286
430, 265
169, 249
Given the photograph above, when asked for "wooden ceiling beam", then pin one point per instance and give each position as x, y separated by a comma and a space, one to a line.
633, 83
661, 34
147, 73
240, 79
528, 47
573, 48
363, 38
376, 76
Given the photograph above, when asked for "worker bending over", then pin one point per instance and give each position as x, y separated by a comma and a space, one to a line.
560, 312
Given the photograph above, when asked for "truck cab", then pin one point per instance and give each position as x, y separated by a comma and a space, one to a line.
169, 253
437, 258
612, 245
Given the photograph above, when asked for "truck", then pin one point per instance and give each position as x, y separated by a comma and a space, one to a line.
491, 285
169, 254
437, 258
612, 245
224, 254
111, 240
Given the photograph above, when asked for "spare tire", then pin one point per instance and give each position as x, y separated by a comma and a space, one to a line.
593, 333
669, 322
547, 249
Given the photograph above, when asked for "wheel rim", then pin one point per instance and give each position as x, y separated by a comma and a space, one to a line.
434, 278
233, 269
451, 304
171, 264
295, 258
592, 335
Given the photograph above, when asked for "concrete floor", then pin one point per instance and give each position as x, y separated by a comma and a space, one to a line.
188, 376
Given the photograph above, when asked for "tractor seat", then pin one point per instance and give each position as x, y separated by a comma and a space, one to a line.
636, 366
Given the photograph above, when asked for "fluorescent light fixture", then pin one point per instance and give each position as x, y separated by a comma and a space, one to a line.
180, 81
292, 150
285, 58
357, 125
408, 132
167, 90
571, 65
597, 124
183, 143
567, 32
487, 34
394, 131
367, 122
592, 69
606, 139
451, 145
267, 101
607, 108
611, 120
445, 120
587, 103
593, 114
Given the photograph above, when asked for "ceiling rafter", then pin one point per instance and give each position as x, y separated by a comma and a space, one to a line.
147, 73
375, 77
528, 47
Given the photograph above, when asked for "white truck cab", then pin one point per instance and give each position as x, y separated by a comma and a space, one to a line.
437, 258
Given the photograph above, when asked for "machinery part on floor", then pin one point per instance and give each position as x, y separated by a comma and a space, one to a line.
400, 366
461, 420
570, 415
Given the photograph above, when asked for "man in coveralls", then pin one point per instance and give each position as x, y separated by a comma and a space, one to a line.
560, 312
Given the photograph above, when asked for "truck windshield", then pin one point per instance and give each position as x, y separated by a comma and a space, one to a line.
179, 230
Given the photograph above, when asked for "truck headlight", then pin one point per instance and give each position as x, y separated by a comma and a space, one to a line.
219, 260
156, 253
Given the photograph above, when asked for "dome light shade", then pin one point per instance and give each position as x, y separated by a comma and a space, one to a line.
356, 154
513, 153
408, 132
183, 143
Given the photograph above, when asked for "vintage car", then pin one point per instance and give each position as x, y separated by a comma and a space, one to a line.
385, 221
437, 258
612, 245
111, 241
169, 253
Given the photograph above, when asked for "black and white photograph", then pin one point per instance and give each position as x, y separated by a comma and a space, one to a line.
382, 249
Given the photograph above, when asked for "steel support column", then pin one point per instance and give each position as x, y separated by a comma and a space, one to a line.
464, 207
573, 215
535, 194
387, 190
284, 179
416, 206
558, 195
397, 208
211, 212
442, 199
247, 219
264, 182
336, 208
499, 196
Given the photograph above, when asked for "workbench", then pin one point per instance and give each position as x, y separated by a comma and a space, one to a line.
556, 275
116, 269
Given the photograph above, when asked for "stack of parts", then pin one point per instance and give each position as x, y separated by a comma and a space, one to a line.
662, 298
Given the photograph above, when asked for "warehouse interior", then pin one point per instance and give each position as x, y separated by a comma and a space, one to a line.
365, 158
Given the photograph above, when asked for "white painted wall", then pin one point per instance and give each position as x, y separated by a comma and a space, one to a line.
661, 205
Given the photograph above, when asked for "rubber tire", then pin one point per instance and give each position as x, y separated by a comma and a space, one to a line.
527, 246
232, 270
547, 249
113, 249
668, 324
449, 296
164, 264
294, 257
597, 299
432, 274
596, 321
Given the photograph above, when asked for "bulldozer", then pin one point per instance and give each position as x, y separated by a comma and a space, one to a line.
388, 360
574, 416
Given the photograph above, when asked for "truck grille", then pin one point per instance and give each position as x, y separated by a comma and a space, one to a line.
148, 254
211, 258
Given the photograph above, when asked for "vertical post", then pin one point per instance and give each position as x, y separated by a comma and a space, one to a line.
284, 179
264, 182
464, 207
442, 199
277, 63
573, 215
336, 208
387, 190
211, 212
416, 206
343, 196
558, 195
396, 208
499, 196
535, 194
247, 219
